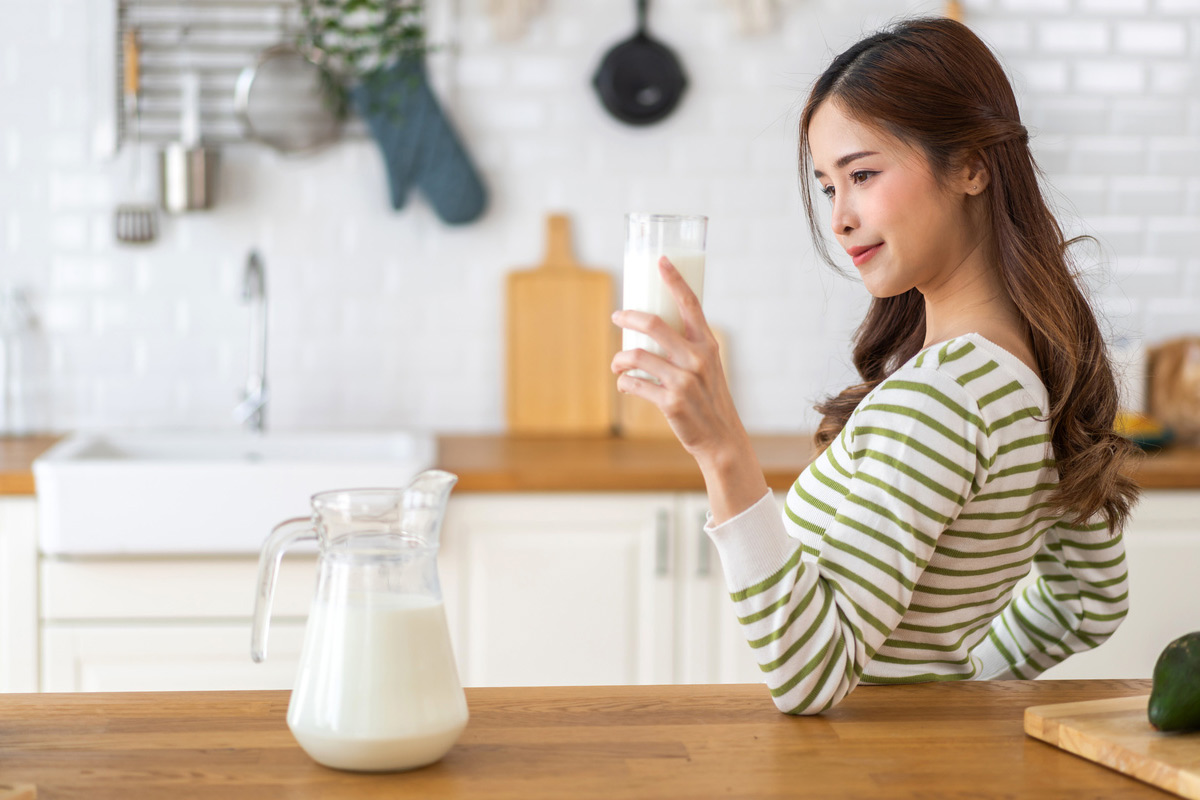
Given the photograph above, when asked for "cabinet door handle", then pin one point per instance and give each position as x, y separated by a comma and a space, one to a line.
662, 544
704, 550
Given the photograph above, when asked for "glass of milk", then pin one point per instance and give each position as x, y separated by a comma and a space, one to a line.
648, 237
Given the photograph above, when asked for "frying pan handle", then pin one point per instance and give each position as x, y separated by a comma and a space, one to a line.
641, 16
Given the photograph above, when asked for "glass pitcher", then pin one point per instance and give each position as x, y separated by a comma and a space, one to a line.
377, 687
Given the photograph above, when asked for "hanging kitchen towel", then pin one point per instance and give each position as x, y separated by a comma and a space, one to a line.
419, 145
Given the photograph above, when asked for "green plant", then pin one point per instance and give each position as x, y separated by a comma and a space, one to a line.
355, 41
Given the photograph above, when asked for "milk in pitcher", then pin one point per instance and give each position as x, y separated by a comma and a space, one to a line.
378, 689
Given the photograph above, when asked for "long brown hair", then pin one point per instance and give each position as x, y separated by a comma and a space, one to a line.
935, 85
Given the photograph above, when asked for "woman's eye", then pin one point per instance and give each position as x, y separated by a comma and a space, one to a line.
860, 175
828, 192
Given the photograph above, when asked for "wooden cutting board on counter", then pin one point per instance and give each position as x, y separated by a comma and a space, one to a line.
1117, 734
561, 341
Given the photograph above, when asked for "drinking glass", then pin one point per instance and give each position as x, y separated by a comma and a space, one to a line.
648, 237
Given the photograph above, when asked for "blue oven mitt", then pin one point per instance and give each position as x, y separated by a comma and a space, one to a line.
419, 145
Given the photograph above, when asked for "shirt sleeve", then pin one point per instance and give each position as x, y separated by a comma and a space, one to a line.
1080, 596
911, 460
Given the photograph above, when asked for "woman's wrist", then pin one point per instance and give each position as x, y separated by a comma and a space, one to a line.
733, 477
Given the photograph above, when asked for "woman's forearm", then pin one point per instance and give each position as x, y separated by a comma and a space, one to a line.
734, 479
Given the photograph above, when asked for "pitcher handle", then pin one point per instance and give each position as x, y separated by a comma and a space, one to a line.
284, 535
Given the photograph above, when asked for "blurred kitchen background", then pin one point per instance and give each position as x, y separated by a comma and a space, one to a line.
382, 318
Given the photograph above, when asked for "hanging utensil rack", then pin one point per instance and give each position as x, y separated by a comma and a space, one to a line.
216, 39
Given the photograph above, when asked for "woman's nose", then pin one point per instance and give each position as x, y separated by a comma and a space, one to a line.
843, 220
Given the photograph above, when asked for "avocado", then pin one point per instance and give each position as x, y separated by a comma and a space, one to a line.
1175, 694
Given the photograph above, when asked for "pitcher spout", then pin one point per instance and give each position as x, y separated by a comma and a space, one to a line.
424, 504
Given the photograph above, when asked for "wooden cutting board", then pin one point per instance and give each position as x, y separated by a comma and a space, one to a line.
561, 341
1117, 734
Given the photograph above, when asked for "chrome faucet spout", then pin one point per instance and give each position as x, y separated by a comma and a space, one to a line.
254, 281
251, 411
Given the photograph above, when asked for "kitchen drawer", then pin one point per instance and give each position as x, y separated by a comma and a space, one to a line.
154, 657
184, 588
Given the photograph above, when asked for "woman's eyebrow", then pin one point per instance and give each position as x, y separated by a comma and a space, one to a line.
846, 159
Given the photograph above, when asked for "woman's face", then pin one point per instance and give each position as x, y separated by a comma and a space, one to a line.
900, 225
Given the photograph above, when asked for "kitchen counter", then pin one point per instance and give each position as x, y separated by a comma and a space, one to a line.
922, 740
17, 454
501, 463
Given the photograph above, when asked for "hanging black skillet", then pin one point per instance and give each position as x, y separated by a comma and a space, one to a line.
640, 80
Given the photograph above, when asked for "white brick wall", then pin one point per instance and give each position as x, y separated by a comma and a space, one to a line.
392, 319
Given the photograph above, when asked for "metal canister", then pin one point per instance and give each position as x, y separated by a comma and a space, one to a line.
188, 177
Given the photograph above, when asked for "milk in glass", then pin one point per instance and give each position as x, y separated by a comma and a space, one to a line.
645, 291
649, 237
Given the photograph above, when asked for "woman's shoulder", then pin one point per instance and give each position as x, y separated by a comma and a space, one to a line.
967, 379
964, 398
983, 369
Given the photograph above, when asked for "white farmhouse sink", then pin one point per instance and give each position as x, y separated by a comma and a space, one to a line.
204, 491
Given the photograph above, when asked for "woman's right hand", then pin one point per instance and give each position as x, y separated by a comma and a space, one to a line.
693, 394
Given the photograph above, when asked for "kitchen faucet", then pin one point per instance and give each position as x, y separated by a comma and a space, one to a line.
252, 409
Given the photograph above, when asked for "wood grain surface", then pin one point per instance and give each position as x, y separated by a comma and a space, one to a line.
922, 742
17, 454
1115, 732
505, 462
561, 340
18, 791
599, 464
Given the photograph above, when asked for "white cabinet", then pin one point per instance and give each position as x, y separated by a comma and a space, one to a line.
183, 656
573, 589
713, 648
590, 589
18, 594
540, 588
173, 624
1162, 544
166, 624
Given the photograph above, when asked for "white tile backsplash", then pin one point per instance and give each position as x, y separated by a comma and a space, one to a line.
1162, 38
1114, 7
1074, 35
390, 318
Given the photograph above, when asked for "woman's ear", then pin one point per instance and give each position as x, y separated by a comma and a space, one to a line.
974, 176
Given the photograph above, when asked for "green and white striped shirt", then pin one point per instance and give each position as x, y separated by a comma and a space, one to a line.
896, 556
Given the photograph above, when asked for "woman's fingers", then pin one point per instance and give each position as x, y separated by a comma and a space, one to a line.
639, 387
651, 363
653, 326
690, 310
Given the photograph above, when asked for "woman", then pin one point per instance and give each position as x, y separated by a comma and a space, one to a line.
980, 441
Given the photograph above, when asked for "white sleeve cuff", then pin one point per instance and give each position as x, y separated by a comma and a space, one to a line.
753, 545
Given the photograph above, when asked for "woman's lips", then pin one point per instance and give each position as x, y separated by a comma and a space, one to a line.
861, 255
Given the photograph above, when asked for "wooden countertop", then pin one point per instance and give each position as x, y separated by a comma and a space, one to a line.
517, 464
501, 463
923, 740
17, 454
